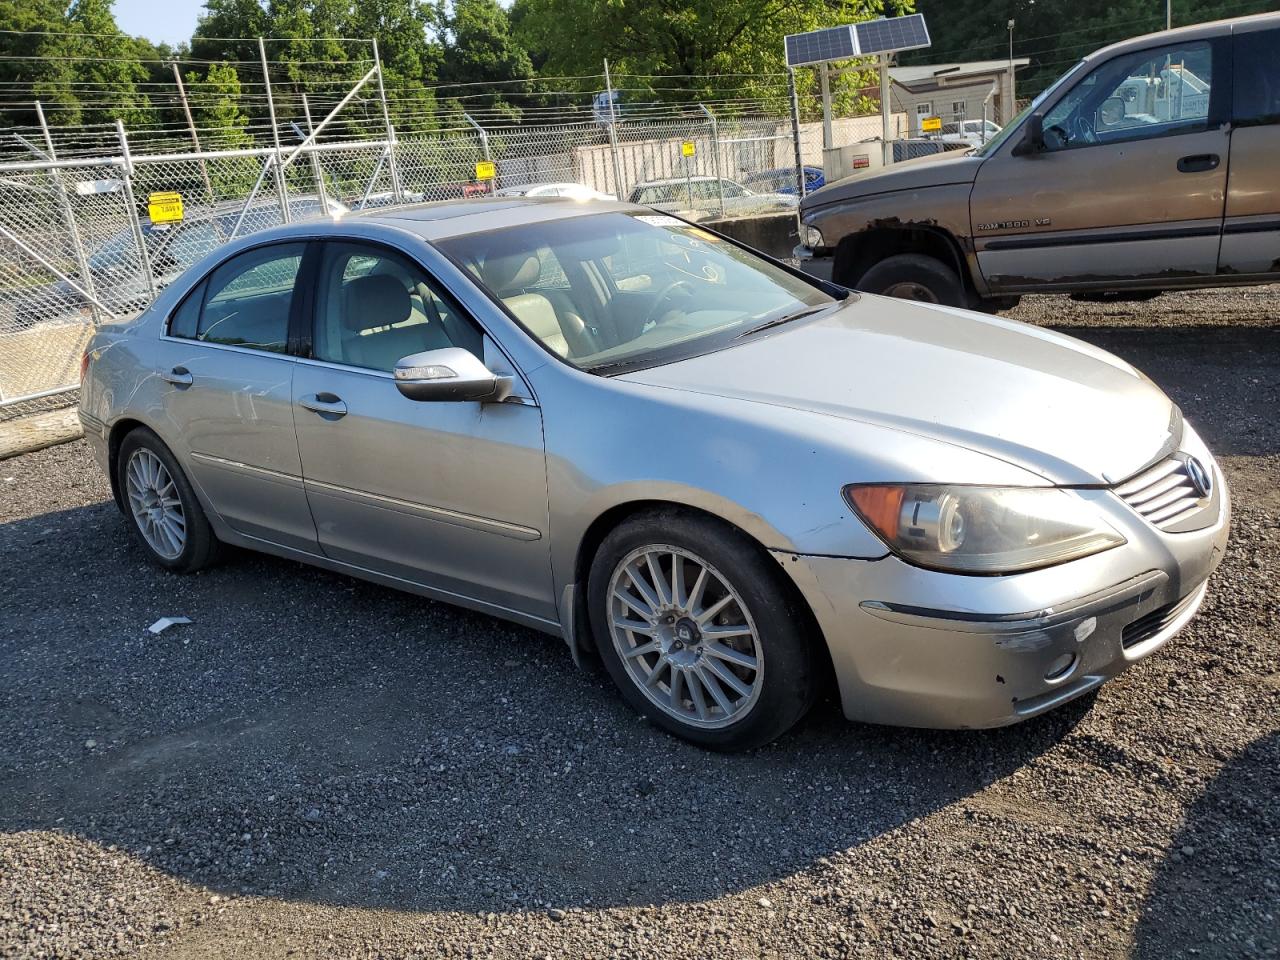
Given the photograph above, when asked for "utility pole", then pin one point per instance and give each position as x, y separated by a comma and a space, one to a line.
275, 135
191, 125
1168, 14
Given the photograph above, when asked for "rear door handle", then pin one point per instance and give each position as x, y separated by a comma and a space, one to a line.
178, 376
1199, 163
327, 405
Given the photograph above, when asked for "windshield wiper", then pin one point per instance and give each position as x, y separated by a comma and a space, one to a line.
779, 321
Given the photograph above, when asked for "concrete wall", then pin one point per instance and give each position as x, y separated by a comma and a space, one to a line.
770, 233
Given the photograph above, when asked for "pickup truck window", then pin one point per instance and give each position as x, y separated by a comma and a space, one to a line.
1135, 96
1257, 78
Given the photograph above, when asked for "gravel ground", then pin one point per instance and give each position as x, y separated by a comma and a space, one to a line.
321, 767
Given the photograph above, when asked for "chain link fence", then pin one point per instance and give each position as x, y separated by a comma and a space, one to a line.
78, 247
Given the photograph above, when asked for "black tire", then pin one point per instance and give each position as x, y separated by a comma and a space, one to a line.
200, 548
788, 683
931, 280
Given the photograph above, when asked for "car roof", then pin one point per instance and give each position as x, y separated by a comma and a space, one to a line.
1198, 31
452, 218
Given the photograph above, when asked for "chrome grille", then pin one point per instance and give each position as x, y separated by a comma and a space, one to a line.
1164, 494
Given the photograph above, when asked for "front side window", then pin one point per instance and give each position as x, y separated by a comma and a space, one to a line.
247, 300
1135, 96
374, 307
1256, 89
639, 289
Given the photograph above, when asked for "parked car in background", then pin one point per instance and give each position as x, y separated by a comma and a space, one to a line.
574, 191
1149, 166
702, 195
720, 475
115, 266
973, 133
783, 180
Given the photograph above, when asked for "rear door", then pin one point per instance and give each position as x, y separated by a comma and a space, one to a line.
1129, 190
228, 396
1251, 232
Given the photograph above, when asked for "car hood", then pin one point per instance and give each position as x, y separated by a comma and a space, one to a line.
1058, 407
935, 170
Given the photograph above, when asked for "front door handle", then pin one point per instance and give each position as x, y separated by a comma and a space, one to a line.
326, 404
1199, 163
178, 376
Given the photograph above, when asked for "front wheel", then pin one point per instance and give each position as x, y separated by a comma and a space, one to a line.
913, 276
699, 632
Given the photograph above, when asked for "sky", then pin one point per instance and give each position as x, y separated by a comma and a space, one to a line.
160, 21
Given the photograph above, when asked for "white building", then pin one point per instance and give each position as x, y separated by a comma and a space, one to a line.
955, 91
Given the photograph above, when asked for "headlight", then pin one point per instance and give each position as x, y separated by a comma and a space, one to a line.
812, 237
982, 529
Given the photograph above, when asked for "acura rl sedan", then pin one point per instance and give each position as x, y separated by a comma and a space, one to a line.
731, 482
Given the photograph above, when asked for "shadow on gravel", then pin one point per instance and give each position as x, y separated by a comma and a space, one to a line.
318, 738
1226, 379
1215, 896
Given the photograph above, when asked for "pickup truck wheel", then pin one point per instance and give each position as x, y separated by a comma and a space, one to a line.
913, 276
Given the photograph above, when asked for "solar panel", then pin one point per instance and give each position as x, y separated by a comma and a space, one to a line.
820, 46
895, 33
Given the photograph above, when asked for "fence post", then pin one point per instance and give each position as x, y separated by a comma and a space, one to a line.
191, 125
73, 229
316, 169
613, 133
144, 258
397, 190
275, 136
484, 137
715, 154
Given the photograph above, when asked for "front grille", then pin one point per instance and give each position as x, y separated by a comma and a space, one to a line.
1144, 628
1165, 493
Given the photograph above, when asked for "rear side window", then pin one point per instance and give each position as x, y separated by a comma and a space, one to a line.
247, 300
1256, 86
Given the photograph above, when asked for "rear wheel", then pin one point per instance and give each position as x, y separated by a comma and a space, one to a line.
160, 505
914, 276
698, 631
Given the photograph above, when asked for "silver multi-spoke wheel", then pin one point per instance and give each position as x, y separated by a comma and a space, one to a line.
685, 636
155, 504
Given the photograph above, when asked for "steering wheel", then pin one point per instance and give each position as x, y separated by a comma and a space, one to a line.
653, 316
1082, 129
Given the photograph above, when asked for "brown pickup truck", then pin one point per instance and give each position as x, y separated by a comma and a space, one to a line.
1151, 165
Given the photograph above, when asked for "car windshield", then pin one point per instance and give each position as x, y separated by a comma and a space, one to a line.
992, 145
614, 291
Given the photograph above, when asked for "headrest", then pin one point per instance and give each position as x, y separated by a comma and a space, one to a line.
509, 273
376, 300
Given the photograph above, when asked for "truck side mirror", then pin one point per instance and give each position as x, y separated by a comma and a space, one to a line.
1032, 141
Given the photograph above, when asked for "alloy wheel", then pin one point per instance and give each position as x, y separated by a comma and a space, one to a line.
685, 636
155, 504
910, 290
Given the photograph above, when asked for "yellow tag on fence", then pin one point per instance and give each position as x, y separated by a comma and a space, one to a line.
931, 124
486, 170
688, 148
165, 207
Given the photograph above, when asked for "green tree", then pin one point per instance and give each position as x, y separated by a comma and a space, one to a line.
30, 67
480, 49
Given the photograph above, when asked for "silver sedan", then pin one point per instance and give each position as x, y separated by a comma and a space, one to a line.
732, 483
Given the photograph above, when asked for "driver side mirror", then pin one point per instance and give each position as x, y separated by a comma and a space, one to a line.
1032, 141
449, 374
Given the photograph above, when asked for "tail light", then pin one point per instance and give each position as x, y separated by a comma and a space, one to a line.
84, 365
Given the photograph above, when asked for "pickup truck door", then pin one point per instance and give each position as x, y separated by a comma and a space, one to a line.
1251, 232
1129, 190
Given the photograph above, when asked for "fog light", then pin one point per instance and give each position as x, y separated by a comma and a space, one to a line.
1060, 667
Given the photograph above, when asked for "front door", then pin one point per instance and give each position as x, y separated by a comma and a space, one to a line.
1129, 189
228, 398
452, 495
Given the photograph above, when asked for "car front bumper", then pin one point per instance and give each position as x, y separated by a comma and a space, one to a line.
915, 647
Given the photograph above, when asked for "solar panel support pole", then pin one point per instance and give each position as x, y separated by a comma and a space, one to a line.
884, 109
825, 77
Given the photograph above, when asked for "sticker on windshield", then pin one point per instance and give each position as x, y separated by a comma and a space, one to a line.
660, 220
